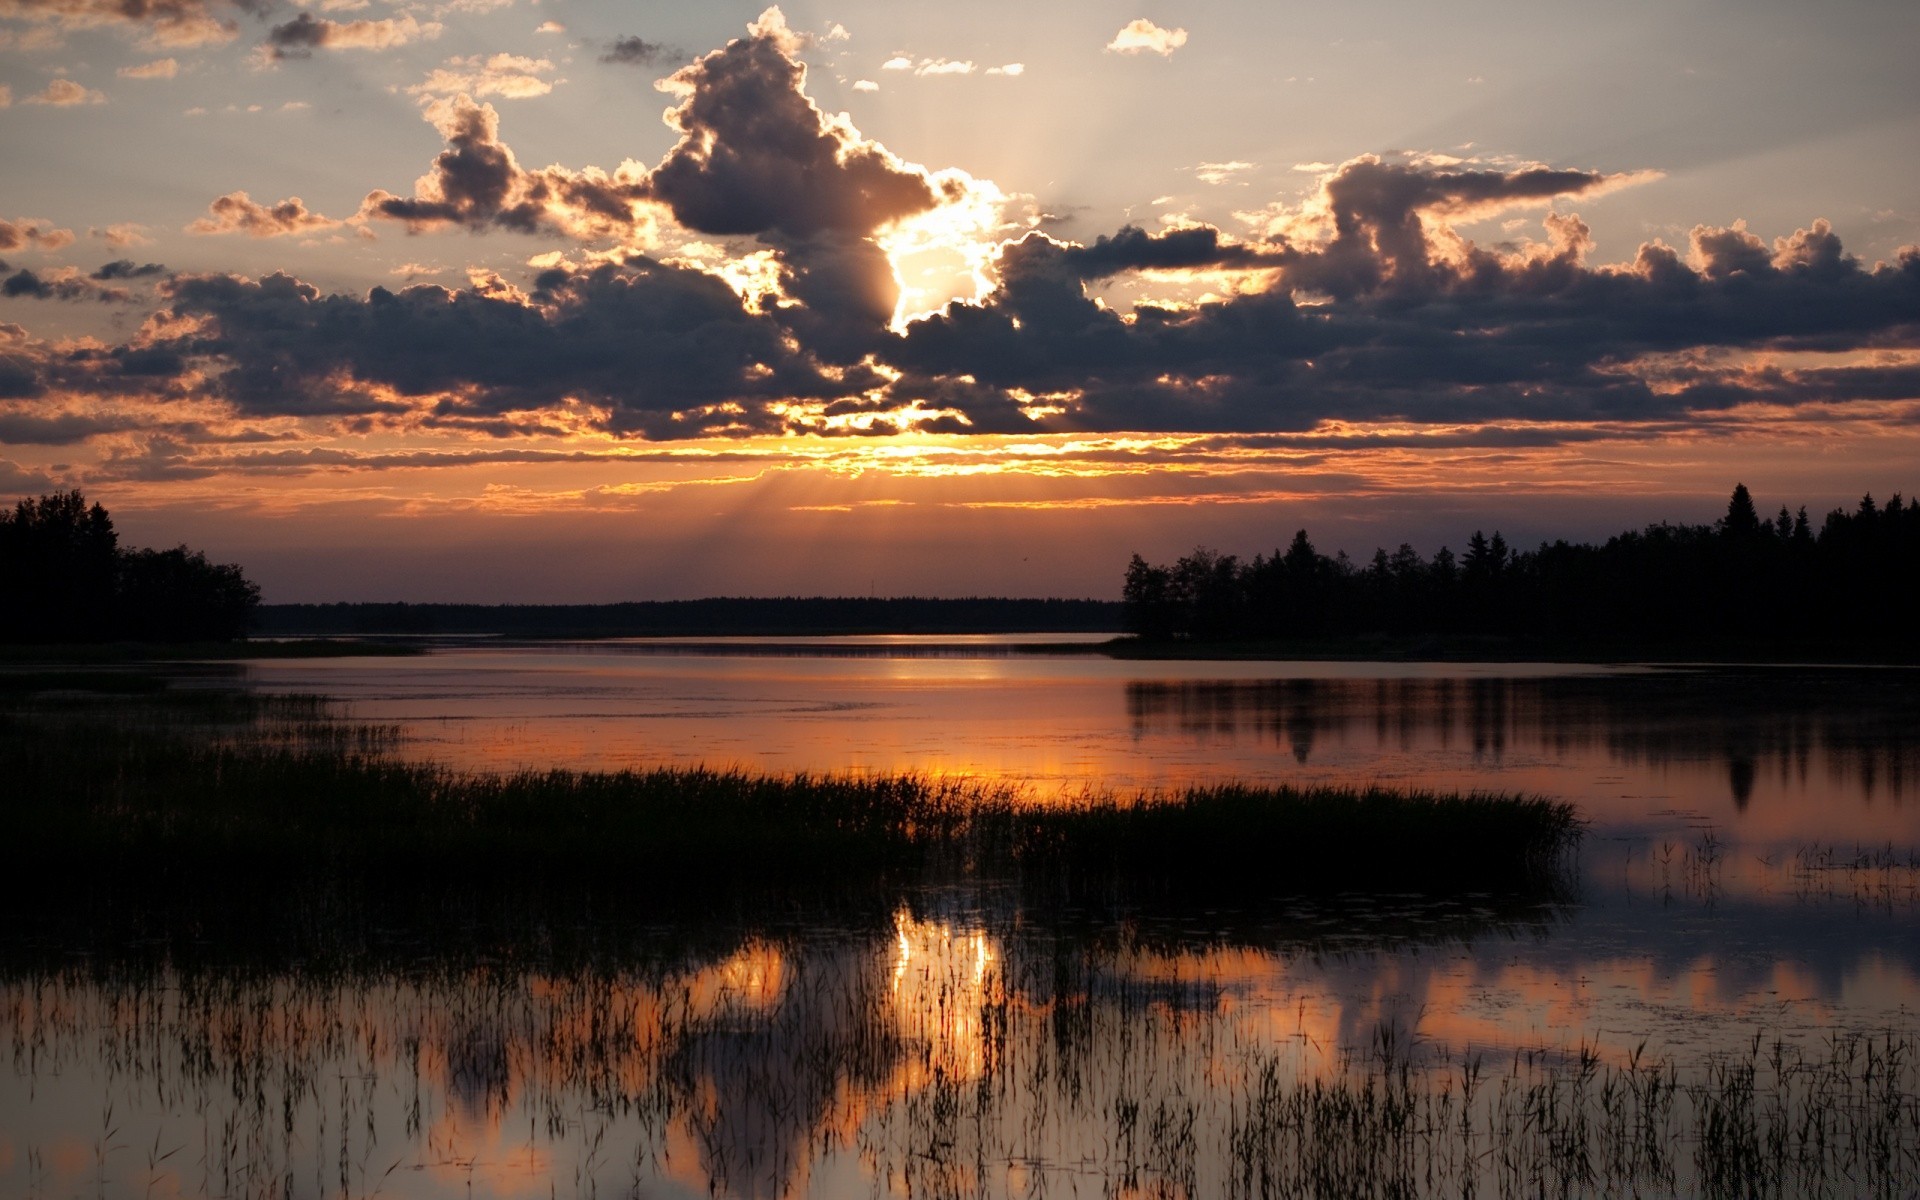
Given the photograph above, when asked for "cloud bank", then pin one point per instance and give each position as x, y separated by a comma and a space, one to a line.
1363, 301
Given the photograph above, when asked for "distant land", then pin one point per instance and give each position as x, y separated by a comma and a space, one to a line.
811, 616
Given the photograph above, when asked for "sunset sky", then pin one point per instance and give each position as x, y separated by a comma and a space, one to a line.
561, 300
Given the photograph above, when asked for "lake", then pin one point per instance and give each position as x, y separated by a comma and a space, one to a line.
1747, 893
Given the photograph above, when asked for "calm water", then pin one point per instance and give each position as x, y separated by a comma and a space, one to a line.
1751, 871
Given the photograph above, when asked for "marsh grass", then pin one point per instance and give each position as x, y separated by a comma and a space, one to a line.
1056, 1071
192, 786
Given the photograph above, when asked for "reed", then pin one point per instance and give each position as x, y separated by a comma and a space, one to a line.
193, 787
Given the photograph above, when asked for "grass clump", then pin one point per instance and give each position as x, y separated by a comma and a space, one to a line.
272, 789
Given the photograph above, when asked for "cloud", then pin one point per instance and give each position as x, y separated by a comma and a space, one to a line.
1368, 301
477, 183
158, 23
122, 235
630, 51
35, 232
943, 66
65, 93
237, 212
300, 37
550, 27
509, 76
757, 156
126, 268
6, 95
1432, 329
865, 85
1221, 172
59, 283
1141, 36
661, 350
159, 68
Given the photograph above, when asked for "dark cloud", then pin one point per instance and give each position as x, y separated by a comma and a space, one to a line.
632, 51
1134, 249
664, 351
126, 268
477, 183
1422, 328
757, 156
1364, 304
300, 37
60, 285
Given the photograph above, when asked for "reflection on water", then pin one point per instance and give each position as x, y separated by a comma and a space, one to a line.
1773, 758
1752, 871
1848, 733
960, 1050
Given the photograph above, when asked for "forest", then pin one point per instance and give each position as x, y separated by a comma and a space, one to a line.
64, 578
1743, 579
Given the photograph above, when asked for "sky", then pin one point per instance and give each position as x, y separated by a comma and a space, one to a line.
573, 301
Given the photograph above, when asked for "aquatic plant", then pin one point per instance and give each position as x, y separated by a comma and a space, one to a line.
187, 786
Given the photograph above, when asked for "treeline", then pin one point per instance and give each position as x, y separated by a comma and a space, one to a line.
65, 579
815, 616
1743, 579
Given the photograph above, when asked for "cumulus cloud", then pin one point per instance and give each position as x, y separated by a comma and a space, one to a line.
509, 76
237, 212
756, 158
159, 68
477, 183
65, 93
756, 155
39, 234
157, 23
300, 37
1141, 36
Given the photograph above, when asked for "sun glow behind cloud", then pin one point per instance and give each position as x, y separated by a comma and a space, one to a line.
1462, 323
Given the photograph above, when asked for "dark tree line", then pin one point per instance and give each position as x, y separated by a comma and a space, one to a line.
720, 616
1744, 578
64, 578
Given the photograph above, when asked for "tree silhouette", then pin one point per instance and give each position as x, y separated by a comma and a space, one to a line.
64, 578
1742, 579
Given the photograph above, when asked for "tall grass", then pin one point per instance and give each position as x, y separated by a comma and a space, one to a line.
285, 793
753, 1071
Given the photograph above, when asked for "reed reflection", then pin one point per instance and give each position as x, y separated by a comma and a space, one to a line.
957, 1048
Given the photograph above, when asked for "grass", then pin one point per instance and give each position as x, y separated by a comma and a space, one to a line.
207, 783
1052, 1072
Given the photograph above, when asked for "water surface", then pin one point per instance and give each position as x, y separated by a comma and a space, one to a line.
1750, 880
